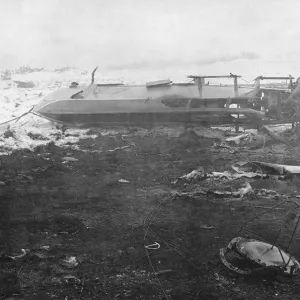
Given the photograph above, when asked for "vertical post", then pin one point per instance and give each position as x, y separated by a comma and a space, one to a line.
200, 86
279, 107
291, 82
257, 84
236, 89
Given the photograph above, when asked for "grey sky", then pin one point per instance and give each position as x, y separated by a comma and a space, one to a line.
254, 36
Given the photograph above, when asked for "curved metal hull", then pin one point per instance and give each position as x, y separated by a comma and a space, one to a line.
105, 104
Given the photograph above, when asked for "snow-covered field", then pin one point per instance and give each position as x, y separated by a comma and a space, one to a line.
16, 100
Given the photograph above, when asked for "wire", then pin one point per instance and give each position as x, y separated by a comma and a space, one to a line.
263, 143
256, 165
168, 244
245, 80
147, 252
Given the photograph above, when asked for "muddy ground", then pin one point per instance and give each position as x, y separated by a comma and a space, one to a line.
85, 229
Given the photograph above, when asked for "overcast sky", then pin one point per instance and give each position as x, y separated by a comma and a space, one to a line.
250, 37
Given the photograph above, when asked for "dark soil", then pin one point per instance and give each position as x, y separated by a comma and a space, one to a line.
57, 209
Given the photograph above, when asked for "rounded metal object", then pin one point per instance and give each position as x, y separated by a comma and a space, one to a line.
245, 256
267, 255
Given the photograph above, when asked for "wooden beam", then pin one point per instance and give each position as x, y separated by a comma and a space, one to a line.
221, 76
279, 78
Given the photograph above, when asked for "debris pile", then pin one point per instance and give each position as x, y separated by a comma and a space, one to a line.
193, 176
245, 138
252, 139
245, 190
243, 169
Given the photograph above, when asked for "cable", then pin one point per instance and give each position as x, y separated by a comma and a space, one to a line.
18, 118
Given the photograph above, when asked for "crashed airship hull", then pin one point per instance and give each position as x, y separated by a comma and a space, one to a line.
117, 104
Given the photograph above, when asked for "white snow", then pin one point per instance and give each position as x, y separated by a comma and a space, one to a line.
15, 101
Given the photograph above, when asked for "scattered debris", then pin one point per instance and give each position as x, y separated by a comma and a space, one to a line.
154, 246
66, 159
222, 279
237, 139
196, 193
24, 252
267, 193
225, 174
70, 262
233, 176
242, 192
271, 133
246, 190
163, 272
71, 279
265, 169
193, 176
129, 142
224, 146
119, 148
207, 227
123, 181
242, 169
245, 139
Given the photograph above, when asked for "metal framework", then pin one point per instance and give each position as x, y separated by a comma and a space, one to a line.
295, 230
259, 78
199, 80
